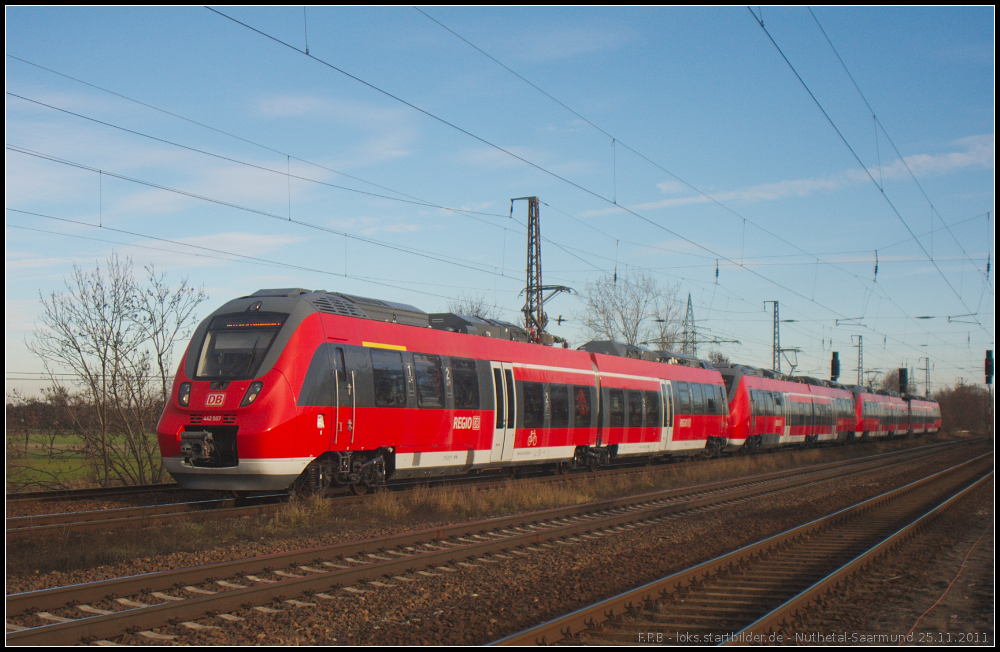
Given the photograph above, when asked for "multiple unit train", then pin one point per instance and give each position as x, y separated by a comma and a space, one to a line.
316, 390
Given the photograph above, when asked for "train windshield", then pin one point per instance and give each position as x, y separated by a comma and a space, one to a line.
235, 345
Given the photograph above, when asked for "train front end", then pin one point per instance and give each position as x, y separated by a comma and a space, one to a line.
231, 422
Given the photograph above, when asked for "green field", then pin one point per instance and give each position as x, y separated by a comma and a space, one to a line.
52, 462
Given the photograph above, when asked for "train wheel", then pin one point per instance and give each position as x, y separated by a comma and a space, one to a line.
361, 489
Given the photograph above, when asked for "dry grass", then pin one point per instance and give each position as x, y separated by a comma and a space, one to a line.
420, 507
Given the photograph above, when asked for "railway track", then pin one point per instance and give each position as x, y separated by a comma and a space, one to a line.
135, 517
224, 508
82, 494
756, 594
197, 597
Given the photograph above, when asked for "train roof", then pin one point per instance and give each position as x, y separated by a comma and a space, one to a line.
348, 305
622, 350
736, 371
455, 323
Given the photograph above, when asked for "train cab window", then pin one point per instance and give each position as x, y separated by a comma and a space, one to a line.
559, 397
652, 409
430, 380
390, 384
534, 405
581, 398
779, 406
768, 404
683, 398
466, 381
616, 408
634, 408
235, 345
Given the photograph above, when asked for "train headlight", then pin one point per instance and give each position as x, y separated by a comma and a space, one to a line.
252, 393
184, 394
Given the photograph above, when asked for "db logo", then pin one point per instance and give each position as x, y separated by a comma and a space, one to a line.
215, 400
685, 423
532, 439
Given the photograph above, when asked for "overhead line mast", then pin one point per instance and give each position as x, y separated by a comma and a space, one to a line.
534, 315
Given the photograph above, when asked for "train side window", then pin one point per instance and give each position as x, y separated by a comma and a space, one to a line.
466, 381
652, 409
338, 363
582, 418
710, 399
720, 398
390, 384
697, 399
634, 408
684, 394
511, 402
768, 404
534, 405
559, 397
430, 380
616, 408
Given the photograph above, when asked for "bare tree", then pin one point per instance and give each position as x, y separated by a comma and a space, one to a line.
634, 309
965, 407
890, 382
477, 306
170, 317
107, 331
716, 356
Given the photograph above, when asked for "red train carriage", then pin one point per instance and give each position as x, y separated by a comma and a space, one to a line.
879, 414
925, 415
326, 389
658, 402
769, 410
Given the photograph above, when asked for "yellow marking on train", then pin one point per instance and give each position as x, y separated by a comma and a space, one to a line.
379, 345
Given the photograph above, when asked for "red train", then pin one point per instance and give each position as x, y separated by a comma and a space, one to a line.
770, 410
322, 390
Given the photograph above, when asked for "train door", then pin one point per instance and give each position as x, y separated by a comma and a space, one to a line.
786, 406
505, 412
344, 402
667, 431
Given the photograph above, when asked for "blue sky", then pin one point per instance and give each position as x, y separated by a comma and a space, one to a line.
667, 140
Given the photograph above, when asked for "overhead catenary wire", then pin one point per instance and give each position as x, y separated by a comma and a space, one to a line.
888, 137
863, 166
615, 141
288, 177
515, 156
522, 159
264, 168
